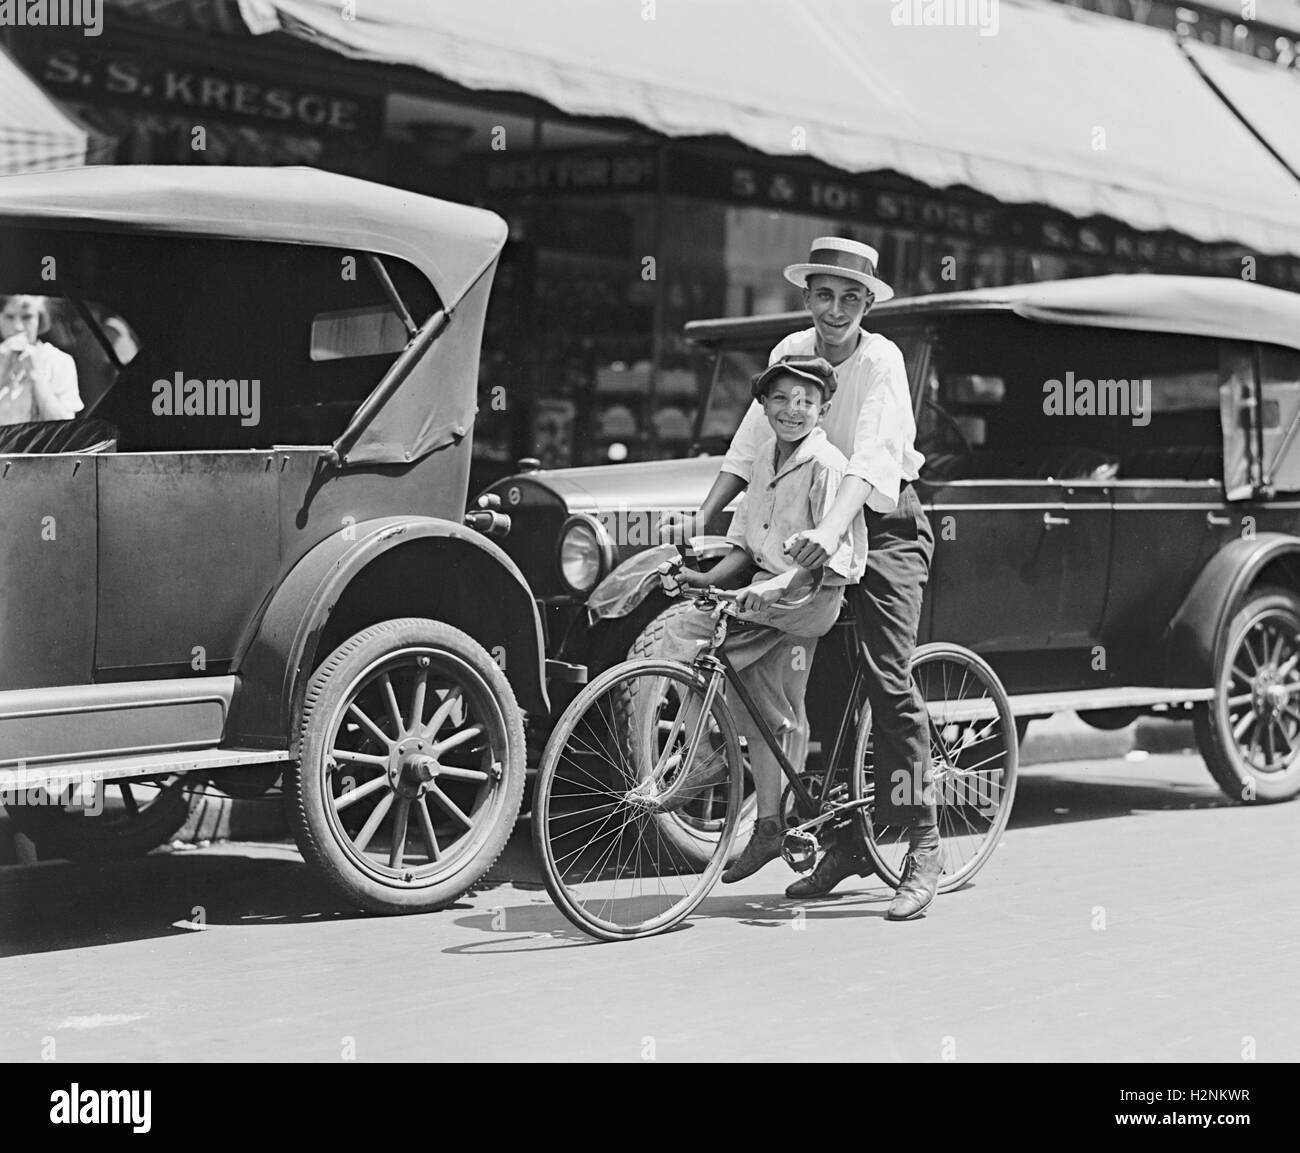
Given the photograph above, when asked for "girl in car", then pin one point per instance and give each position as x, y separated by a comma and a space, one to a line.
37, 380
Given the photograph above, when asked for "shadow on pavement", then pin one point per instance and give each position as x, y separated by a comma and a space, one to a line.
1044, 797
539, 925
60, 906
66, 906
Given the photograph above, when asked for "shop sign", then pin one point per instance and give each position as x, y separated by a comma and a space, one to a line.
576, 171
74, 72
950, 215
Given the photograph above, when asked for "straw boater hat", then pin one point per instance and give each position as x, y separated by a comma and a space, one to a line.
835, 256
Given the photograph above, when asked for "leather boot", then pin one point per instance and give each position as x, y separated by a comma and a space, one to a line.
842, 859
920, 880
764, 845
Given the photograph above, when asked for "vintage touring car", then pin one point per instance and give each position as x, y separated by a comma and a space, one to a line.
247, 556
1113, 477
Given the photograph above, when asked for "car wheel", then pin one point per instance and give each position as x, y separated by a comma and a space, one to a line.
1249, 734
410, 766
694, 830
138, 816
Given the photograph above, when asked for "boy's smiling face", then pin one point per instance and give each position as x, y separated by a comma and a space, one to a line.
793, 407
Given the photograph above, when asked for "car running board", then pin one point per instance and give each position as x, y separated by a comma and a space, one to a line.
59, 774
1043, 704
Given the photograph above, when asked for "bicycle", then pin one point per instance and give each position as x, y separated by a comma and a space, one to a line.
648, 737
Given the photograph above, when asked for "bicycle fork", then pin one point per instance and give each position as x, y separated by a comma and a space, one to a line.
668, 759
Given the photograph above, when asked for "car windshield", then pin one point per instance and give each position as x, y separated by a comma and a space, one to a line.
183, 343
737, 363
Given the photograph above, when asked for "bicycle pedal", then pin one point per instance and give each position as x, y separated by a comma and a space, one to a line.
799, 850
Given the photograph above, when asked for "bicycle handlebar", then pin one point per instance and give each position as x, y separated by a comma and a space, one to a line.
669, 570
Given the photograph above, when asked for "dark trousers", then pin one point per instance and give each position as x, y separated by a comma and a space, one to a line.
886, 608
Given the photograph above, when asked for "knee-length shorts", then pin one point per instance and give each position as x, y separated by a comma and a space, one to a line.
771, 649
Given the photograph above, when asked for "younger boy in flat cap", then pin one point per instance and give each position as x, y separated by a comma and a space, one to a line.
796, 476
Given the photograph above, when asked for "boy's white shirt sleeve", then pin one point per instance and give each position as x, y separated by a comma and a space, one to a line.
849, 558
736, 533
753, 431
881, 436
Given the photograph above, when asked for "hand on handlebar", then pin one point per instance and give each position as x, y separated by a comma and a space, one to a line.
759, 595
676, 578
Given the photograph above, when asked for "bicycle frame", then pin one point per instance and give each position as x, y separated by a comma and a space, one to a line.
715, 666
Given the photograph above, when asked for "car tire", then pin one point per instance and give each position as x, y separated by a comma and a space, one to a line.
691, 831
118, 834
1256, 705
409, 769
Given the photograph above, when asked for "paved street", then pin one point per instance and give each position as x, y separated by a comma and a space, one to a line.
1131, 914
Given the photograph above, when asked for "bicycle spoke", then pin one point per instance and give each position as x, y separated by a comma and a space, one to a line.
621, 874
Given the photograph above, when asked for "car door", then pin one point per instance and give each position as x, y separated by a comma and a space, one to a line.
189, 548
1085, 542
47, 565
1000, 553
1171, 513
1020, 502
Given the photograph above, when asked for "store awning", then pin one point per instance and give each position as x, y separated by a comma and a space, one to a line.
1057, 106
35, 134
1266, 96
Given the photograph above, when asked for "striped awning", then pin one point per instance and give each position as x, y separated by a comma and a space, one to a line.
35, 133
1053, 105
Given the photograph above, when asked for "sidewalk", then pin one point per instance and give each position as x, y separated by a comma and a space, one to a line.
1063, 737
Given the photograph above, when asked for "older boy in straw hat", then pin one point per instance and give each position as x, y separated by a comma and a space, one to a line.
873, 425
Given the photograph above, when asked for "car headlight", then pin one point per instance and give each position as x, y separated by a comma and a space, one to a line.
586, 554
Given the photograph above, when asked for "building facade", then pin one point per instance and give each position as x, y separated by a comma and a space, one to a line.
618, 236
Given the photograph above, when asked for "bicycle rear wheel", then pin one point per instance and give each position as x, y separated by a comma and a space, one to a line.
974, 757
608, 862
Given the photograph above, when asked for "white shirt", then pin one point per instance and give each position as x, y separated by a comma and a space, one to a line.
778, 504
870, 418
39, 386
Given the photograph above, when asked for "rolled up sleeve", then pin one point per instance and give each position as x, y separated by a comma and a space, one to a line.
739, 525
885, 428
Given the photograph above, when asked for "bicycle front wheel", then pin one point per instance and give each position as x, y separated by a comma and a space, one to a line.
614, 774
974, 756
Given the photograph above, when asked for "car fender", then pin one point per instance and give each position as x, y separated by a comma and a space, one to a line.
1197, 628
312, 608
